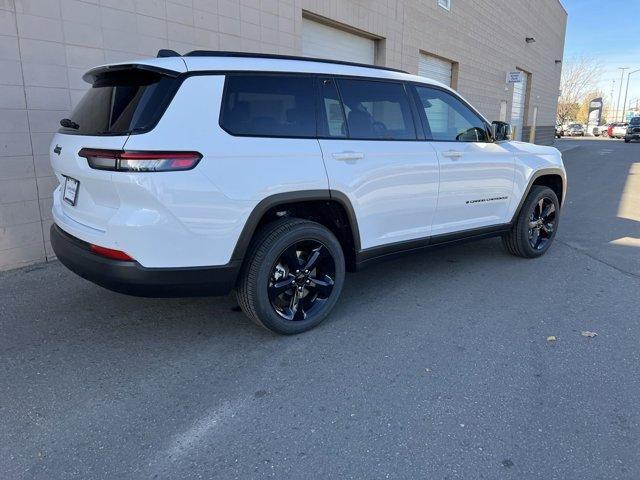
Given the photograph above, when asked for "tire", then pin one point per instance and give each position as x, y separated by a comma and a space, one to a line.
521, 239
627, 140
270, 268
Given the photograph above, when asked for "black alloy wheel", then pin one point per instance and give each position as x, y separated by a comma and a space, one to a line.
302, 280
536, 224
292, 276
542, 223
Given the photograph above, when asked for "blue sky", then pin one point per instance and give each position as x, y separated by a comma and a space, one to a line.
609, 31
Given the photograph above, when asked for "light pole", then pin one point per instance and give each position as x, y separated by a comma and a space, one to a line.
624, 104
620, 91
610, 100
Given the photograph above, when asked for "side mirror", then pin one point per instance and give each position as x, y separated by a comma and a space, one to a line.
500, 131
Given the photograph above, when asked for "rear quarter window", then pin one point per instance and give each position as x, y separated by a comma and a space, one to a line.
122, 102
269, 106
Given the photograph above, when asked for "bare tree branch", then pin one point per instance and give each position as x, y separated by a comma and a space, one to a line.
580, 76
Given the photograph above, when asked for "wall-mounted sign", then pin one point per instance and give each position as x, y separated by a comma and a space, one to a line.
515, 77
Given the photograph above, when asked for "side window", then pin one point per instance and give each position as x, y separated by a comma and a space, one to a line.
377, 110
449, 119
269, 105
333, 123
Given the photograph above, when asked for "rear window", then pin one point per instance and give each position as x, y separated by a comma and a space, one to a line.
122, 102
269, 106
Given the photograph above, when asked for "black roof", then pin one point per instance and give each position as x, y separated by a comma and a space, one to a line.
219, 53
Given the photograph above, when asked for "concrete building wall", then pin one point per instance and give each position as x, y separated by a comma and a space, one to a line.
46, 46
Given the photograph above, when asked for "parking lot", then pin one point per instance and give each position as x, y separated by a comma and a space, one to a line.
433, 366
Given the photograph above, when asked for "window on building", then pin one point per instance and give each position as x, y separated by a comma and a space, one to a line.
377, 110
269, 105
448, 119
446, 4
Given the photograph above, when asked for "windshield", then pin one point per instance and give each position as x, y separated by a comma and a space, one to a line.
635, 121
120, 103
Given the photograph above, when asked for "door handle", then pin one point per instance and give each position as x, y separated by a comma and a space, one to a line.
345, 156
452, 154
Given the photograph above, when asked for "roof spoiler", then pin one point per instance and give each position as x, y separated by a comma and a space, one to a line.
94, 73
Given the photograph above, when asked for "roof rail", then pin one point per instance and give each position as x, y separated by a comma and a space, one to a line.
164, 52
218, 53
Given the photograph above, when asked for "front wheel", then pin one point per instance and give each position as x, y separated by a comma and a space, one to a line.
536, 224
292, 277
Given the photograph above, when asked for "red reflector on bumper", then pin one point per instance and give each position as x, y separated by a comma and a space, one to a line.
110, 253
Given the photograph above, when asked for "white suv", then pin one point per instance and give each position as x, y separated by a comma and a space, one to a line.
271, 175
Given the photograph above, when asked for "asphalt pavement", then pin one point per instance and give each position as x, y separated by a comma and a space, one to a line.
433, 366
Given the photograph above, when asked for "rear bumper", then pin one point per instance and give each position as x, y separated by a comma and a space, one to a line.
131, 278
632, 136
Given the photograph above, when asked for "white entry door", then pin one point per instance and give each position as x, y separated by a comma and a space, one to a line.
518, 105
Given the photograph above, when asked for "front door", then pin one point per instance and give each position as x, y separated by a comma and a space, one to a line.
374, 154
476, 174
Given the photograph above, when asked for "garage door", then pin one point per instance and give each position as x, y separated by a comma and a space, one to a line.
322, 41
435, 68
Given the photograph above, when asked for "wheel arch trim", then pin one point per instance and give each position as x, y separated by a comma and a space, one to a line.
536, 175
267, 203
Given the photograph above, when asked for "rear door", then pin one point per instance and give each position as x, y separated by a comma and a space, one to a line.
476, 174
119, 102
376, 156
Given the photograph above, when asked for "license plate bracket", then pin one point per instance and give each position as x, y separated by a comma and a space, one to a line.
71, 187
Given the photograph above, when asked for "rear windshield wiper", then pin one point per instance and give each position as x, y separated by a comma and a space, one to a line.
68, 123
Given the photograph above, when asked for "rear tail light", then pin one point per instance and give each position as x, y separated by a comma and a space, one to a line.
110, 253
124, 161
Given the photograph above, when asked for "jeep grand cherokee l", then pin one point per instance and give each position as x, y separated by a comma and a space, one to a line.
271, 176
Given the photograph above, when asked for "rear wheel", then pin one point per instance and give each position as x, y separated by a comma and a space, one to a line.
292, 277
536, 224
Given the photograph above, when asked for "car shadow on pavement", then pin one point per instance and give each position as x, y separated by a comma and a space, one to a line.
76, 305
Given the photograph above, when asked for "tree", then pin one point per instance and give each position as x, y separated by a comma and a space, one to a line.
579, 77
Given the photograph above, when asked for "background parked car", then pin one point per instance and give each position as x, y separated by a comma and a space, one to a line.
633, 130
575, 130
600, 130
619, 130
559, 131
